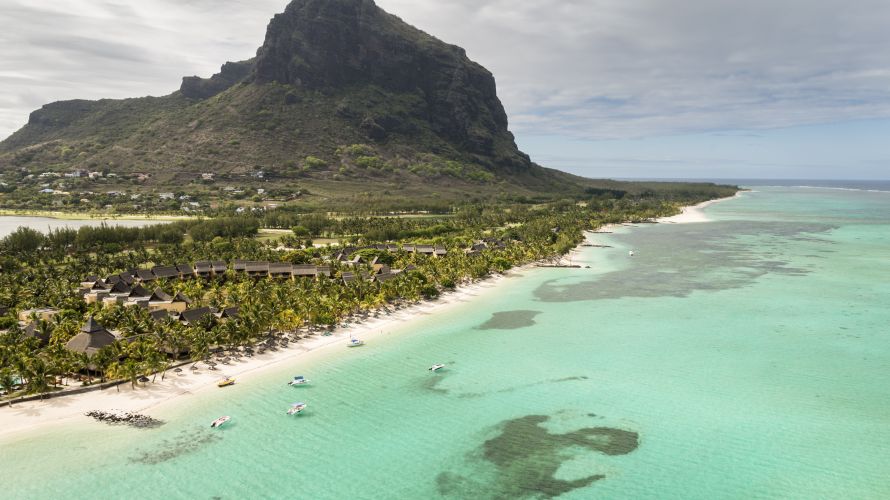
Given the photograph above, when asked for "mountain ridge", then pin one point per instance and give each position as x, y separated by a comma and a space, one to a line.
339, 92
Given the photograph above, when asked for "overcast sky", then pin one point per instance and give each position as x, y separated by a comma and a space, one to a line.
603, 88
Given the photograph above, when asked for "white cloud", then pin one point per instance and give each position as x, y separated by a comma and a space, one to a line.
580, 68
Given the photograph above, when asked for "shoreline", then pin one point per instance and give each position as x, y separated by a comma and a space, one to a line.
17, 421
694, 213
21, 419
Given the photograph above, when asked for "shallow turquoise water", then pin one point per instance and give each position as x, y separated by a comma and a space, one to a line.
746, 357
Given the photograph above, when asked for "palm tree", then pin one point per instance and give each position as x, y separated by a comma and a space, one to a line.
8, 382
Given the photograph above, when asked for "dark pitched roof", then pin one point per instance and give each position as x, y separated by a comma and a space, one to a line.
99, 285
383, 277
239, 265
441, 251
257, 267
159, 315
194, 315
145, 275
185, 269
203, 267
425, 249
305, 270
120, 287
229, 312
219, 266
181, 297
92, 326
165, 271
280, 268
347, 277
127, 277
161, 296
323, 271
139, 291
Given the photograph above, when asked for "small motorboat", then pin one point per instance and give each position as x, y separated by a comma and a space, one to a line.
226, 381
630, 253
296, 408
299, 380
353, 342
221, 420
436, 367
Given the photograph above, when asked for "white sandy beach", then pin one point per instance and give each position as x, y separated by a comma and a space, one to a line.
694, 213
33, 415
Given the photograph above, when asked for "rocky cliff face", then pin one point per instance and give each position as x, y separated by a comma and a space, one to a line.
202, 88
330, 44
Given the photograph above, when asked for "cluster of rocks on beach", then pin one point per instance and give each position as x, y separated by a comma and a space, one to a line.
125, 418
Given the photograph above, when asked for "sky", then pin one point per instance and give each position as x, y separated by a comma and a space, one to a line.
600, 88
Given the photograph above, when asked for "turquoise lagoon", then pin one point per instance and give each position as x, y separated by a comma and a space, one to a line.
748, 357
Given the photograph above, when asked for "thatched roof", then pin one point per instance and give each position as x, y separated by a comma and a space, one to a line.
304, 270
139, 291
165, 271
229, 312
92, 337
145, 275
203, 267
185, 269
120, 287
160, 296
181, 297
257, 267
219, 266
190, 316
280, 268
159, 315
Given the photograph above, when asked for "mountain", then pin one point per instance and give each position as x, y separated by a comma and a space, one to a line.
341, 98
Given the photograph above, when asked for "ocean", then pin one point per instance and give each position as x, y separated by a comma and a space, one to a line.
747, 357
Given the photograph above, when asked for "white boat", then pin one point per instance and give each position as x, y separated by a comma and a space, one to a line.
436, 367
299, 380
221, 420
296, 408
630, 253
353, 342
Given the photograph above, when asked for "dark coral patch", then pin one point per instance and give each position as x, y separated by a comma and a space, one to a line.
183, 444
510, 320
527, 457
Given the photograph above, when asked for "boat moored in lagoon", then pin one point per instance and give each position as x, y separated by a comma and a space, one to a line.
436, 367
221, 420
354, 342
299, 380
226, 381
296, 408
